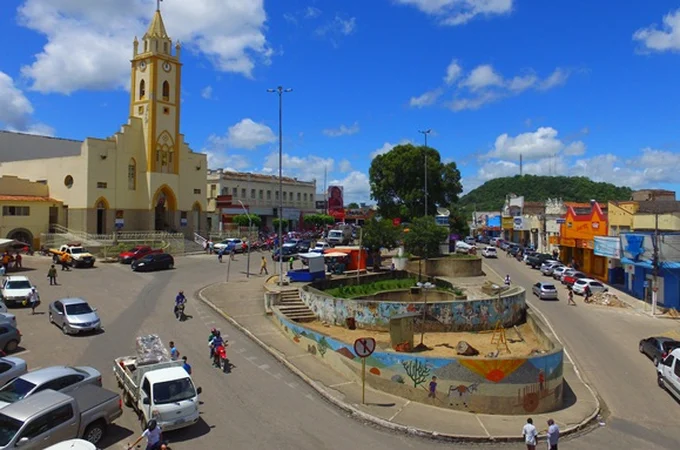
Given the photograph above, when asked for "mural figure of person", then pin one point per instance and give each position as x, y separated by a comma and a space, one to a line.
335, 201
433, 388
541, 380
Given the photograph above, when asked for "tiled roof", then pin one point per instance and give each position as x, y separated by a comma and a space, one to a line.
26, 198
659, 207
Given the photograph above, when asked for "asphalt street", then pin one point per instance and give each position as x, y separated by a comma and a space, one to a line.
261, 405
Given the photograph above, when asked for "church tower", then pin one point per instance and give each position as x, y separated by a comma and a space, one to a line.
155, 95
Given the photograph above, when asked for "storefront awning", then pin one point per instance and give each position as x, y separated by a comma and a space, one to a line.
648, 264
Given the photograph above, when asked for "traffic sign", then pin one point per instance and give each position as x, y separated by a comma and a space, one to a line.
364, 347
560, 220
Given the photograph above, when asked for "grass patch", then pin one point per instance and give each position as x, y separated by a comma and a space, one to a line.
365, 290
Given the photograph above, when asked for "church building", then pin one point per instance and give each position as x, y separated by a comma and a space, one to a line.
144, 177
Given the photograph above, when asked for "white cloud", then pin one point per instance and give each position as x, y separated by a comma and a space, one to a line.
16, 110
481, 77
453, 72
521, 83
312, 12
89, 44
386, 147
557, 78
220, 159
305, 168
246, 134
342, 130
336, 28
532, 145
472, 103
207, 92
458, 12
426, 99
576, 148
661, 39
356, 187
345, 166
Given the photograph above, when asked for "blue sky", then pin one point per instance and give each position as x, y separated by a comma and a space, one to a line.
576, 87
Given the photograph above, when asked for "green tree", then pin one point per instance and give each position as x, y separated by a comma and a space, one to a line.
276, 224
353, 205
378, 234
398, 181
424, 238
318, 220
458, 220
242, 220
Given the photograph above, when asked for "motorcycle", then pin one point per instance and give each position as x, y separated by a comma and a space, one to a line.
179, 312
220, 359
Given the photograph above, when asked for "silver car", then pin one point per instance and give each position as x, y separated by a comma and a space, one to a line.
59, 378
558, 271
547, 268
10, 368
74, 315
544, 291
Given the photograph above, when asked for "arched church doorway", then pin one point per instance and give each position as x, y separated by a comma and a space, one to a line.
101, 207
164, 208
196, 217
21, 235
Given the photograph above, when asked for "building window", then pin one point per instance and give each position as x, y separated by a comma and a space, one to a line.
146, 46
140, 110
269, 195
132, 174
15, 211
252, 193
261, 194
101, 185
305, 196
166, 91
285, 195
165, 47
166, 111
243, 193
277, 195
234, 192
225, 190
142, 89
291, 196
68, 181
197, 191
299, 196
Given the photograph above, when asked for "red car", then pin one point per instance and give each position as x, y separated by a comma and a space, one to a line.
570, 279
137, 252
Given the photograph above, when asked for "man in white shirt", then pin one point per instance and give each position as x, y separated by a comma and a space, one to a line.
153, 435
529, 432
553, 435
33, 299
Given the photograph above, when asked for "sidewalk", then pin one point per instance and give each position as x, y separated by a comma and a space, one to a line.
242, 304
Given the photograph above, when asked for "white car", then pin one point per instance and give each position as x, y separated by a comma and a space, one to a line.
559, 271
547, 268
73, 444
236, 243
320, 247
463, 247
579, 286
668, 373
15, 290
490, 252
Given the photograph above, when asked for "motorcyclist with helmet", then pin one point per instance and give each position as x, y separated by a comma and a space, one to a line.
180, 302
153, 435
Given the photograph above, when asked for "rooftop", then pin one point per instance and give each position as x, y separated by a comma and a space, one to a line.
23, 147
156, 27
653, 207
249, 176
26, 198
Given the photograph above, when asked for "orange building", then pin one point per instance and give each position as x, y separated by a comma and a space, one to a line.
577, 238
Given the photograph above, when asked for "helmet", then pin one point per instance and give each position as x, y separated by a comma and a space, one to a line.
213, 330
181, 292
151, 425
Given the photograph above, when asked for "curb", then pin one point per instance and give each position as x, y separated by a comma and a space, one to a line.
366, 417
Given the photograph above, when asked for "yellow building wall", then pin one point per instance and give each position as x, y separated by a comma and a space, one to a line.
36, 222
620, 216
667, 222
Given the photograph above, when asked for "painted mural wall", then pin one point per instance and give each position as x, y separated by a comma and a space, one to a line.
448, 316
493, 386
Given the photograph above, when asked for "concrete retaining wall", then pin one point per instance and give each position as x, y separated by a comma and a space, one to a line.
450, 266
503, 385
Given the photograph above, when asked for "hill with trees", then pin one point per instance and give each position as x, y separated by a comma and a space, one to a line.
491, 195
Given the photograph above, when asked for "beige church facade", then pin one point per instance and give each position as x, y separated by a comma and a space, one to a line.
144, 177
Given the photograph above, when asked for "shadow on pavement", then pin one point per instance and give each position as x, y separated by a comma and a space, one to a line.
201, 428
569, 397
115, 434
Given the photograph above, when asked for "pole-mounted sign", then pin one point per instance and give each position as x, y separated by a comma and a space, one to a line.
364, 347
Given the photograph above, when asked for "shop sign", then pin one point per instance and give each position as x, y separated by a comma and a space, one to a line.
507, 223
567, 242
609, 247
554, 240
518, 223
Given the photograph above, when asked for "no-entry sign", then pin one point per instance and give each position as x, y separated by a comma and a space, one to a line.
364, 347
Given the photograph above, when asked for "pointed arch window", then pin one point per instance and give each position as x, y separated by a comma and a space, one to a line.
142, 89
132, 174
165, 154
166, 91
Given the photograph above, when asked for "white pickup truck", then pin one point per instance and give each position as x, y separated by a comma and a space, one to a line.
157, 387
77, 255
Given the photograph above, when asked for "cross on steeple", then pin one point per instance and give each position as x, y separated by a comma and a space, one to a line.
158, 5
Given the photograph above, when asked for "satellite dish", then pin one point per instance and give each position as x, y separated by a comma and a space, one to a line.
443, 212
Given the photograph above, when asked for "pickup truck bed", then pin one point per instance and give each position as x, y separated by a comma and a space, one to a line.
90, 396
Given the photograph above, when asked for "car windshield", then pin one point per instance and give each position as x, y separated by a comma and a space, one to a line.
76, 250
21, 284
581, 282
15, 390
173, 391
78, 309
147, 258
549, 287
9, 427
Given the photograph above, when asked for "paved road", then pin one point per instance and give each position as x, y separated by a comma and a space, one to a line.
260, 405
603, 342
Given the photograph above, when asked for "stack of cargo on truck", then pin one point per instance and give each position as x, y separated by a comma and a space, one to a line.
157, 387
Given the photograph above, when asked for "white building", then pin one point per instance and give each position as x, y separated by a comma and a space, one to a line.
259, 195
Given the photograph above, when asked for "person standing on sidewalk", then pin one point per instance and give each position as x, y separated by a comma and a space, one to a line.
529, 433
33, 300
263, 266
52, 275
553, 435
290, 263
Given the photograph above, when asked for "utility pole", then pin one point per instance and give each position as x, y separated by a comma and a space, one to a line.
655, 264
520, 164
425, 133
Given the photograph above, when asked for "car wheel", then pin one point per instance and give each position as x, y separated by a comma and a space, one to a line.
661, 382
11, 346
64, 330
95, 432
50, 318
171, 266
641, 347
655, 361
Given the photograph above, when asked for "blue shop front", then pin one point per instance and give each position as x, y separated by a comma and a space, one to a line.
637, 259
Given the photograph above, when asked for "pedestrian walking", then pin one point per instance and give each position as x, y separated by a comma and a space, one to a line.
232, 253
174, 353
186, 365
570, 297
205, 246
219, 254
290, 263
553, 434
33, 300
153, 435
17, 261
587, 293
507, 280
64, 260
529, 433
52, 275
263, 266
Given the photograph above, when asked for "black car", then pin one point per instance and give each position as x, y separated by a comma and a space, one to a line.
537, 259
303, 246
657, 348
154, 262
515, 249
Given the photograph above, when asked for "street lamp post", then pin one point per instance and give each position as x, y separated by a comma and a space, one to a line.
425, 133
250, 231
280, 91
